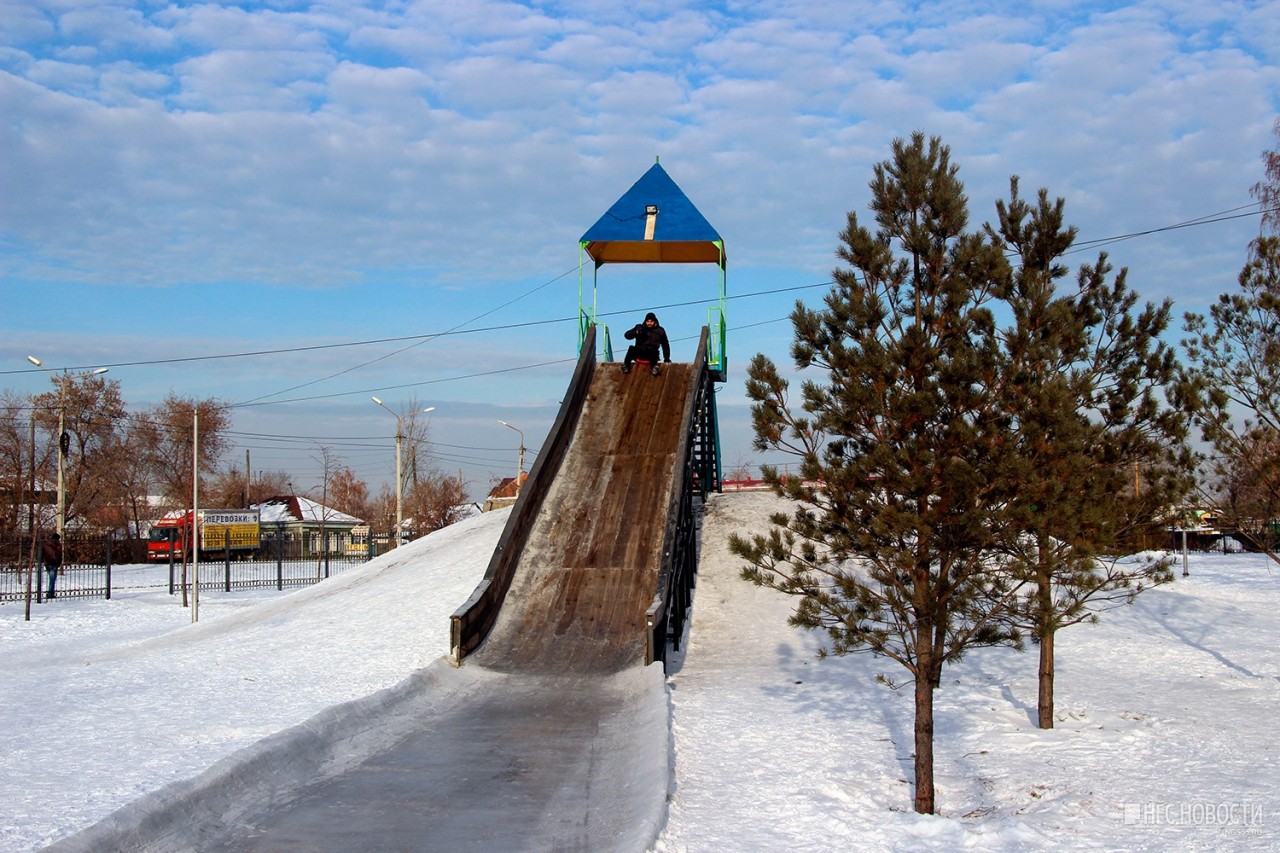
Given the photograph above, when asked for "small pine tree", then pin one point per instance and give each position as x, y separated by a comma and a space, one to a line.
1233, 357
1234, 373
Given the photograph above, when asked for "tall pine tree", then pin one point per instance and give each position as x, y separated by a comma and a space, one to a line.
1095, 452
901, 490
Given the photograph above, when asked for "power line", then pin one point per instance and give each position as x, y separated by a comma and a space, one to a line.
418, 343
404, 385
354, 443
1207, 219
498, 371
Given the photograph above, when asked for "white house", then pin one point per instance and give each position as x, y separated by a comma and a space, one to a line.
293, 518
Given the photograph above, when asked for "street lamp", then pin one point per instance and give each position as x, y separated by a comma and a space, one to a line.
62, 435
399, 476
520, 461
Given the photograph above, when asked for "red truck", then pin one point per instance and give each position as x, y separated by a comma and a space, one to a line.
238, 530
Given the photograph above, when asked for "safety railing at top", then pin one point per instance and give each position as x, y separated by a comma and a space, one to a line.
717, 359
585, 324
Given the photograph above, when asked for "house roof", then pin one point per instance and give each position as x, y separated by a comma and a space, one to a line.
506, 487
653, 222
297, 508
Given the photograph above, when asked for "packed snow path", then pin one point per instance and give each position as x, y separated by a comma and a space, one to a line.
520, 763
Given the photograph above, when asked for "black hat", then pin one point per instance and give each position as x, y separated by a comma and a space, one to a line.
651, 316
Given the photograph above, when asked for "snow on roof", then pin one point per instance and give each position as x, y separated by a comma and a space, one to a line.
287, 508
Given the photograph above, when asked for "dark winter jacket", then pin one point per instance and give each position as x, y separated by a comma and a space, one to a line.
650, 338
51, 553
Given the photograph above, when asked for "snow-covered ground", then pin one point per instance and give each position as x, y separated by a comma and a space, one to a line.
1164, 738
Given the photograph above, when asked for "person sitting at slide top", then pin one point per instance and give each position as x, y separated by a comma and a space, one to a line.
648, 337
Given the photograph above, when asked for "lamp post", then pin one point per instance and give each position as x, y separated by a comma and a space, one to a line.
520, 459
62, 435
399, 476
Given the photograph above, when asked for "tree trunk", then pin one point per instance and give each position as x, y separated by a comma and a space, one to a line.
924, 741
1045, 703
939, 647
1046, 625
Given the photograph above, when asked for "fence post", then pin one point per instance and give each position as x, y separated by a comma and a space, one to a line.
226, 541
170, 532
108, 568
39, 567
279, 559
326, 555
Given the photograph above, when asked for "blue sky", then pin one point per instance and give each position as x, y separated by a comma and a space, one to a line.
182, 180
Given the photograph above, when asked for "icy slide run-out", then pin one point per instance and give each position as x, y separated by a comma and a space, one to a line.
552, 735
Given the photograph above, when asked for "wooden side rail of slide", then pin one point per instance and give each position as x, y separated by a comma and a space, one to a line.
472, 621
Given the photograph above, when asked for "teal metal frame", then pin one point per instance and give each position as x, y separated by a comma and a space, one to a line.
717, 341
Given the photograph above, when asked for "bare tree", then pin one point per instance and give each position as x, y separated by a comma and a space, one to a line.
382, 509
166, 436
417, 444
329, 466
121, 501
349, 493
230, 486
1267, 190
740, 471
435, 501
15, 487
1234, 361
90, 410
227, 488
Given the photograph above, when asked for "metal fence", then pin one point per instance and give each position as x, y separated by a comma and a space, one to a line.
95, 566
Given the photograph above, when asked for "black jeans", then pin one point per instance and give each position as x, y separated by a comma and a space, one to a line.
649, 354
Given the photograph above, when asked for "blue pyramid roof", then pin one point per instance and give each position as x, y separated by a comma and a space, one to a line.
653, 222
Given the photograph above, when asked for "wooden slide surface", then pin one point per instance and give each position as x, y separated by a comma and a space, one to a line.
589, 570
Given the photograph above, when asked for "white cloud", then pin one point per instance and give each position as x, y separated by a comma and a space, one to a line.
233, 28
326, 143
257, 80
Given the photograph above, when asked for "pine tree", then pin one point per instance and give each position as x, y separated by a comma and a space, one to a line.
1267, 191
1081, 381
1234, 374
1233, 358
900, 493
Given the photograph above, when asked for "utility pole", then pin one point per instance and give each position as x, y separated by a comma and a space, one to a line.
399, 475
519, 459
195, 515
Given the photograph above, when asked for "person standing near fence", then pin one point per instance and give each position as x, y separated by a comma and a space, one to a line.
51, 557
